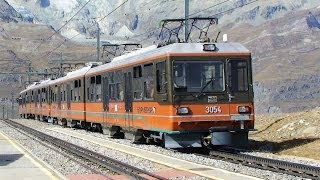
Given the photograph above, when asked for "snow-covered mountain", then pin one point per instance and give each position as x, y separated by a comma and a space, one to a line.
140, 16
284, 35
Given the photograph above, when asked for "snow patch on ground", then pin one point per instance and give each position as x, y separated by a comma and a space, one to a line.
71, 33
124, 32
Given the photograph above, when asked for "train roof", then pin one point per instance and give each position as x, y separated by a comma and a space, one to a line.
172, 49
71, 75
37, 85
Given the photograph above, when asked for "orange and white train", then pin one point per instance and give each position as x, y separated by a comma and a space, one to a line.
179, 95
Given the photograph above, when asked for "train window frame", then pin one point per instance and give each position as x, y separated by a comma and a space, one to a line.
137, 71
98, 88
148, 83
161, 79
88, 94
115, 86
32, 100
210, 79
229, 74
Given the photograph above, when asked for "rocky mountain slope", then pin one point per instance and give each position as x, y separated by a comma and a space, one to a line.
283, 35
295, 134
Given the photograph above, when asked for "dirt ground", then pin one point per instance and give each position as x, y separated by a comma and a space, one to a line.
295, 134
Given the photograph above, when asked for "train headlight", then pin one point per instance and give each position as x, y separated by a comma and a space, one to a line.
243, 109
209, 47
183, 110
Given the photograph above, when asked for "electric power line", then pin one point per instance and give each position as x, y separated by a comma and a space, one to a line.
64, 24
152, 31
79, 33
209, 7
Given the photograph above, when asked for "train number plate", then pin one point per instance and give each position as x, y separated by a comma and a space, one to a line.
240, 117
213, 109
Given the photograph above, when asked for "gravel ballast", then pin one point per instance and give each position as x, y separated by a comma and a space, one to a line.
152, 167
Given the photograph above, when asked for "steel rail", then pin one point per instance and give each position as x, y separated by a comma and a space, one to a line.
56, 149
107, 162
285, 167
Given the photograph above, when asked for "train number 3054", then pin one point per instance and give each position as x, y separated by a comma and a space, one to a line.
213, 109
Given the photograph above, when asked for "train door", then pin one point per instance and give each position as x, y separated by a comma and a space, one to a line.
67, 93
40, 93
239, 82
105, 99
128, 98
59, 101
48, 100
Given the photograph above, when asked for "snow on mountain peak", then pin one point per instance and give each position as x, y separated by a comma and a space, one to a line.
124, 32
64, 5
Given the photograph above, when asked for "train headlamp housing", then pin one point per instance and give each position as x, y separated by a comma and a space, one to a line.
209, 47
183, 110
244, 109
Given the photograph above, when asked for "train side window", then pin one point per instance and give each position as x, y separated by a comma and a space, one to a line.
71, 92
161, 77
98, 88
92, 88
238, 75
79, 85
76, 91
137, 72
92, 80
112, 92
32, 96
148, 86
88, 94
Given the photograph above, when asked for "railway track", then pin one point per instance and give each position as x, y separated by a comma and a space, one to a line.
279, 166
101, 160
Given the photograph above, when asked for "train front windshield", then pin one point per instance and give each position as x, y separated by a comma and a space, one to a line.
198, 76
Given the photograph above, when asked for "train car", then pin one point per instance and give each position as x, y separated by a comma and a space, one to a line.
34, 101
180, 95
67, 98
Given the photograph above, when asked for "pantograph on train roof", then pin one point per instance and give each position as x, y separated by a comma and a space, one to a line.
197, 30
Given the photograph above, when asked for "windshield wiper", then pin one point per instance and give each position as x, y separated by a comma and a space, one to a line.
204, 87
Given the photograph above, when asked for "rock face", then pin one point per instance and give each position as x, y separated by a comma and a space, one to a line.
283, 35
8, 13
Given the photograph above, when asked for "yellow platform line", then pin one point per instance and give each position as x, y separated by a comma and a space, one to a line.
37, 162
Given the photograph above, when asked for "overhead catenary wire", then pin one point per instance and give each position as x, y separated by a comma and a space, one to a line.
67, 22
214, 15
49, 53
65, 40
152, 31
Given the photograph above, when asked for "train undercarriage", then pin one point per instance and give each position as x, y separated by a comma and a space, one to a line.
214, 137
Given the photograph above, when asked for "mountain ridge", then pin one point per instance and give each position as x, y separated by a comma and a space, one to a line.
284, 37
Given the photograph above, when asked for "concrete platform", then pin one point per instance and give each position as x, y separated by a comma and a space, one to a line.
17, 163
